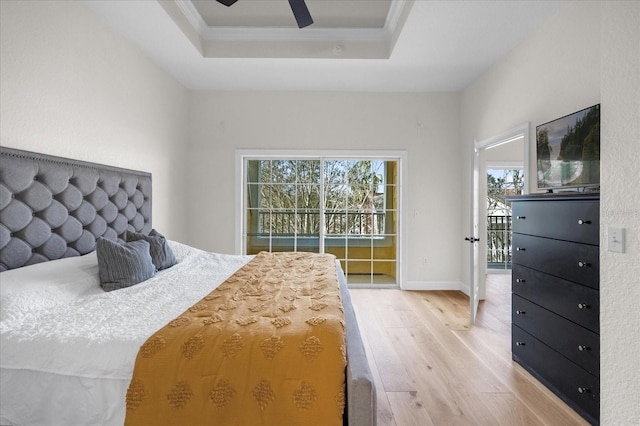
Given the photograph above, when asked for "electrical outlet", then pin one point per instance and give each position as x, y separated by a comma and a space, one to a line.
616, 239
424, 260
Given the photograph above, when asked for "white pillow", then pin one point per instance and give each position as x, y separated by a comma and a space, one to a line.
73, 276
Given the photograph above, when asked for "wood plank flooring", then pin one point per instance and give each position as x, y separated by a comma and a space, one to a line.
431, 367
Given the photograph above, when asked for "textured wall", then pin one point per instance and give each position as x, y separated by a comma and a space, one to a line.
72, 87
620, 207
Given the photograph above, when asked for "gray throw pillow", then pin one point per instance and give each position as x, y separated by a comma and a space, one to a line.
123, 265
161, 254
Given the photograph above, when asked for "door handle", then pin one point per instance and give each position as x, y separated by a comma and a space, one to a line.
471, 239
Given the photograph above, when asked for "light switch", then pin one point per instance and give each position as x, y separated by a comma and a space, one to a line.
616, 239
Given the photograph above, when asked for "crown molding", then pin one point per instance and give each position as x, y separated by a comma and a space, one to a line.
281, 34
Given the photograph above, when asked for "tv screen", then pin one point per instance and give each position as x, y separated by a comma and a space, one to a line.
568, 150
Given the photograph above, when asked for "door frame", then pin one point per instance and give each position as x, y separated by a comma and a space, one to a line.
242, 155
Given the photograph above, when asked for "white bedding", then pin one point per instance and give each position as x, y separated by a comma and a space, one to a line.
67, 347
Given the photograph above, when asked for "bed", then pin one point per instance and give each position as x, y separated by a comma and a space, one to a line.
68, 347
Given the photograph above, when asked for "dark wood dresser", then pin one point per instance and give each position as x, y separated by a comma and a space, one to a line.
555, 300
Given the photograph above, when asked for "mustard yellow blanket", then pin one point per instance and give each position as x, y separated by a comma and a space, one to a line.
265, 348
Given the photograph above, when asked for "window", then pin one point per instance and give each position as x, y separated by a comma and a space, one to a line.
327, 204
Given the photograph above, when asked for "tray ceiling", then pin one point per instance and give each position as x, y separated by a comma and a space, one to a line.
353, 45
363, 29
277, 13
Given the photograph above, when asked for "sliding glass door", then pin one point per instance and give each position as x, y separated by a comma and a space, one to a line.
283, 205
360, 218
347, 207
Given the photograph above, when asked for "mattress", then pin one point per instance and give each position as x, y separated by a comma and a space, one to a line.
67, 348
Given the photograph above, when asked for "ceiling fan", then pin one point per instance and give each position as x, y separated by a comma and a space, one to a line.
298, 7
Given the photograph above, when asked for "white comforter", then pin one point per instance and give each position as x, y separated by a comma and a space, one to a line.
67, 348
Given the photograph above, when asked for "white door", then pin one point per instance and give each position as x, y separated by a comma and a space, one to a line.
473, 238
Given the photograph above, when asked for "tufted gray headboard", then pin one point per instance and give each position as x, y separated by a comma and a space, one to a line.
53, 207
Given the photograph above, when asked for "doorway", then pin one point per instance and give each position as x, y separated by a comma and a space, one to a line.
503, 180
510, 149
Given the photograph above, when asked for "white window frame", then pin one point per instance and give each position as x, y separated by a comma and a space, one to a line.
242, 155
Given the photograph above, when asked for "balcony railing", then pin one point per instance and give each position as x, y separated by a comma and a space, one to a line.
498, 242
301, 223
305, 224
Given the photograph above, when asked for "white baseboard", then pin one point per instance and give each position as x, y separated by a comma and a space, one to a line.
434, 285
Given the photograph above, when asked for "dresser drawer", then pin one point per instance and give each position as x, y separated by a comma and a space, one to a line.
575, 262
577, 343
574, 385
570, 221
573, 301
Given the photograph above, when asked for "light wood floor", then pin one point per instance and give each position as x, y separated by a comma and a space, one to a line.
431, 368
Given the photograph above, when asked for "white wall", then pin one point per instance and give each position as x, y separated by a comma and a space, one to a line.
425, 125
551, 74
72, 87
512, 152
620, 207
588, 54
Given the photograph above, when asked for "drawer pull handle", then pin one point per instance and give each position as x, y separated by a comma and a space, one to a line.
583, 222
520, 280
521, 344
583, 348
583, 306
518, 312
521, 217
582, 389
519, 248
582, 264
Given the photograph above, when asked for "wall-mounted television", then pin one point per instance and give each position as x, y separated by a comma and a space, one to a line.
568, 151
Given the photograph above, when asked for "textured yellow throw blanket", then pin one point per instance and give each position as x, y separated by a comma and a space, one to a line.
265, 348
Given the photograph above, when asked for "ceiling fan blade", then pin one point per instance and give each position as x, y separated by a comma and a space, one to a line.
227, 2
301, 13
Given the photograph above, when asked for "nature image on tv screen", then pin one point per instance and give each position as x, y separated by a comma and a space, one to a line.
568, 150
